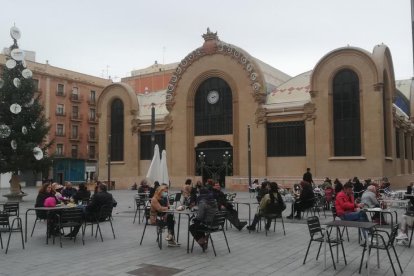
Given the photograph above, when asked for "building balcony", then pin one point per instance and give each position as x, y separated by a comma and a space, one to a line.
92, 138
92, 101
75, 138
60, 113
76, 117
93, 120
60, 134
60, 93
76, 98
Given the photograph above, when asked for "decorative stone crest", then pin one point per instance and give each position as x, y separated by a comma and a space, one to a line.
246, 61
260, 115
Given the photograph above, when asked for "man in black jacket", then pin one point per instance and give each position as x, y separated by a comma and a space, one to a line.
99, 199
222, 203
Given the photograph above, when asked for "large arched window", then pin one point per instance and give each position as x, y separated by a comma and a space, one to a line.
117, 130
213, 108
346, 114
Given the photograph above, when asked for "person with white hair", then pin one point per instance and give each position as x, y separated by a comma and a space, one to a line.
369, 199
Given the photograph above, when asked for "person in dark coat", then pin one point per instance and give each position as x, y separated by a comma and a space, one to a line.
68, 191
307, 176
305, 201
358, 187
232, 215
44, 193
207, 207
99, 199
82, 193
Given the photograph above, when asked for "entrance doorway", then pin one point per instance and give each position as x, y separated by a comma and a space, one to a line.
214, 160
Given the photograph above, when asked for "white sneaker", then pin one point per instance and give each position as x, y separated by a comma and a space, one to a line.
402, 242
402, 236
168, 237
173, 243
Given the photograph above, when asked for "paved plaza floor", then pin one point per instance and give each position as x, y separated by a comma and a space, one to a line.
251, 254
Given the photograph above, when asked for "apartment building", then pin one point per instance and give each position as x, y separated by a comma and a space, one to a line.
69, 99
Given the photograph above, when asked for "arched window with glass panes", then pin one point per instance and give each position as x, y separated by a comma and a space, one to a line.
213, 108
346, 114
117, 130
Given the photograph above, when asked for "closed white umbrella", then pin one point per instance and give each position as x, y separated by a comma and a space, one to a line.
154, 169
164, 177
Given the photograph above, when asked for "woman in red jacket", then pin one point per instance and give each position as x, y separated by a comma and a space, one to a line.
346, 208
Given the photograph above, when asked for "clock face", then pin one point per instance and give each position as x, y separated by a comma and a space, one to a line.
213, 97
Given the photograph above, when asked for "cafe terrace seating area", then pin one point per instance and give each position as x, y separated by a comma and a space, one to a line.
252, 253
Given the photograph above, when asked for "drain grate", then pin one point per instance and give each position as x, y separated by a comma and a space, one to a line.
154, 270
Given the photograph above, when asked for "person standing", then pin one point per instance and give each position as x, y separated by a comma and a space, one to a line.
307, 176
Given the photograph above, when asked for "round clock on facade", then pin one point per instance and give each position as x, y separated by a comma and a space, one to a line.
213, 97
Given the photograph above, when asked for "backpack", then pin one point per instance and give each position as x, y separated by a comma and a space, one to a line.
275, 206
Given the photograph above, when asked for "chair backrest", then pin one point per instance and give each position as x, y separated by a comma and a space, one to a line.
393, 235
231, 196
71, 215
12, 208
177, 197
314, 226
105, 212
218, 221
334, 215
4, 219
139, 201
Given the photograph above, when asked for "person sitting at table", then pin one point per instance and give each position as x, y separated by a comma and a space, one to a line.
186, 192
271, 203
152, 190
305, 200
45, 192
207, 208
82, 193
232, 215
143, 188
346, 208
369, 199
68, 191
99, 199
407, 220
159, 205
262, 191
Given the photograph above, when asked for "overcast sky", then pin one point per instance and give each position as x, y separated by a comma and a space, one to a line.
104, 37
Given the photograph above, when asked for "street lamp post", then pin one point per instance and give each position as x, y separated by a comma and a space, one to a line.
152, 128
226, 157
201, 157
109, 162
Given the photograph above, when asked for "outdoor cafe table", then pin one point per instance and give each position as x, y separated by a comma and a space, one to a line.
387, 212
352, 224
189, 214
48, 211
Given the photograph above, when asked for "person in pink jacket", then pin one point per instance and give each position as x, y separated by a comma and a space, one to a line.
346, 208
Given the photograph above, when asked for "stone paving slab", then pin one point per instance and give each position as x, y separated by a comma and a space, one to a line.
251, 254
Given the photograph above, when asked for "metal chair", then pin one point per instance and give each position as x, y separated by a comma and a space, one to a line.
12, 208
380, 243
159, 224
217, 225
140, 206
69, 218
104, 214
317, 235
273, 217
6, 227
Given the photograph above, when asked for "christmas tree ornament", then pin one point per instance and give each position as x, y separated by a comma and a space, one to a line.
4, 131
13, 144
16, 82
17, 54
34, 125
37, 153
15, 108
24, 130
11, 63
27, 73
15, 33
1, 83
